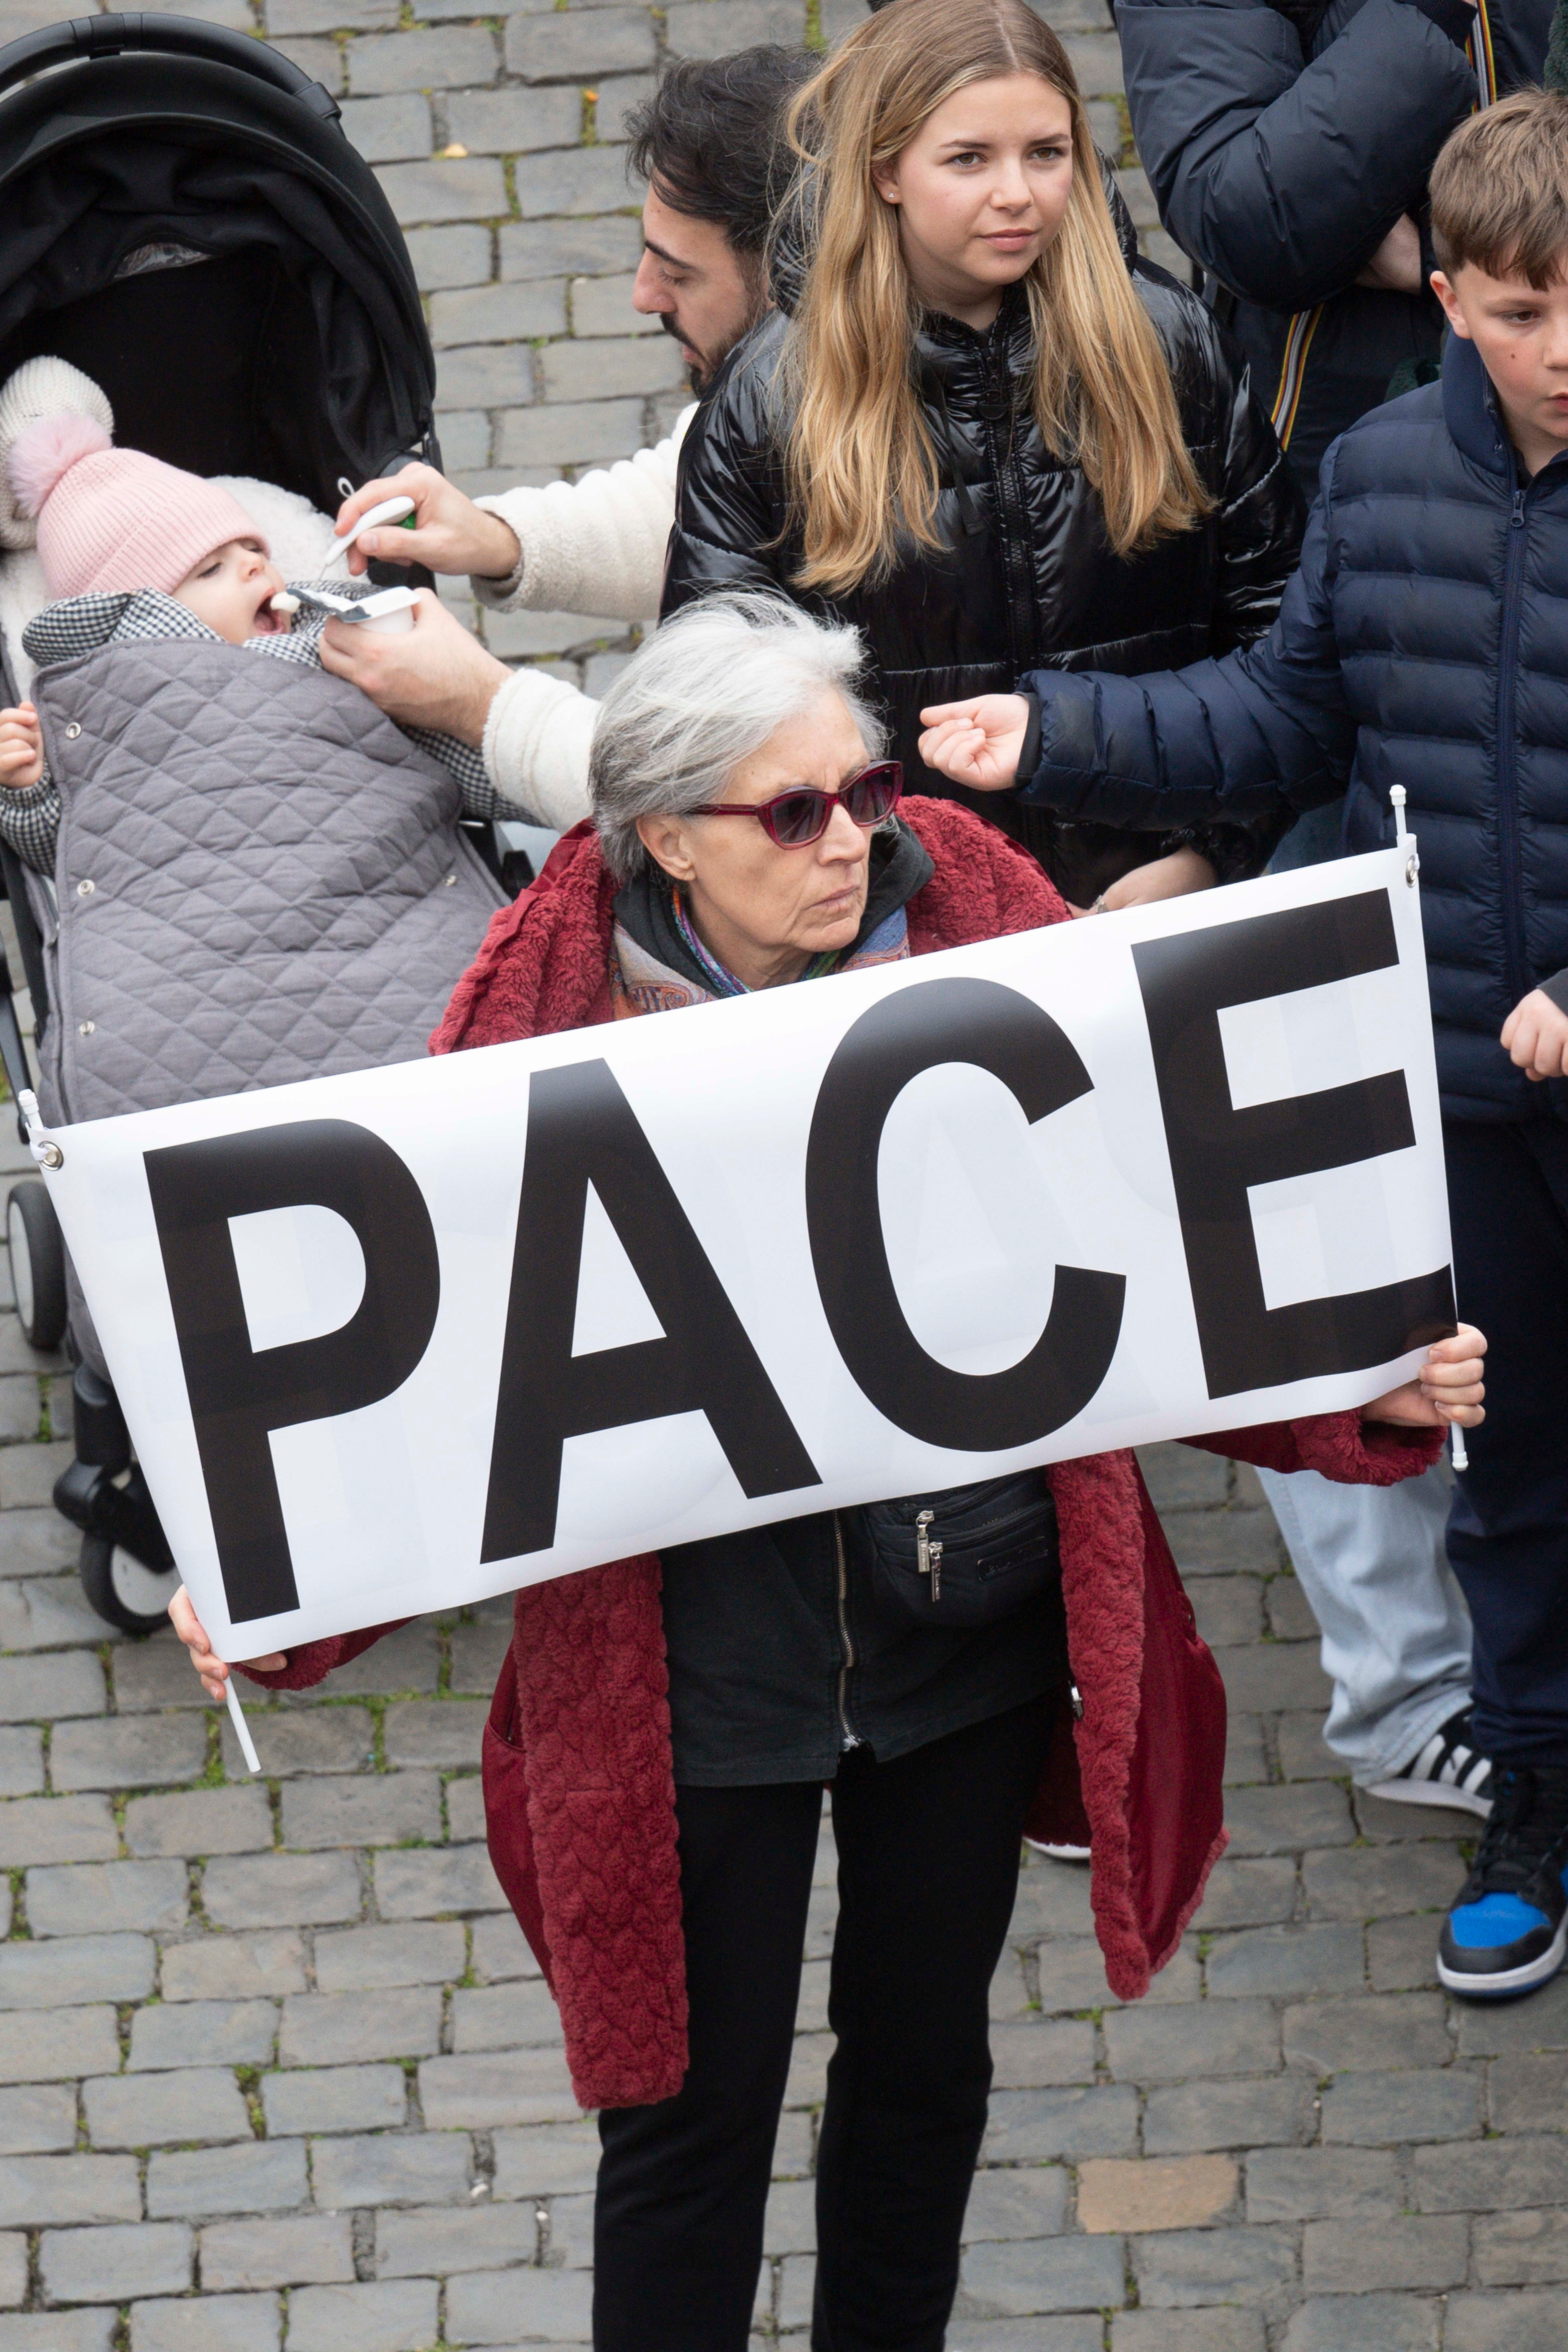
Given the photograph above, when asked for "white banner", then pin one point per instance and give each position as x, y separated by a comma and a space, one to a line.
395, 1341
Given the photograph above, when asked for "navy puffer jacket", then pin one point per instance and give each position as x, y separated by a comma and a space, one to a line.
1424, 642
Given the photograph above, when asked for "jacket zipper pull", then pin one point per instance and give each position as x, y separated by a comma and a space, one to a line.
1077, 1702
1518, 516
928, 1555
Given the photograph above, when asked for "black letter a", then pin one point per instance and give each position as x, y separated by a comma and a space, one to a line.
582, 1131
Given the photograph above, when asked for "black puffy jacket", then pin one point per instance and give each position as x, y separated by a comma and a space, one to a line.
1025, 575
1283, 141
1424, 642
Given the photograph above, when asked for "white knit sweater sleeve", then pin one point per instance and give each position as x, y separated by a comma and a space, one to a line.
536, 747
594, 546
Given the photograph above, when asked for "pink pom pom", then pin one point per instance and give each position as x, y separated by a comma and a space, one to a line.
49, 448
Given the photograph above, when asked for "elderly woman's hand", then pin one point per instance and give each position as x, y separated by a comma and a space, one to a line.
1447, 1389
977, 742
451, 534
436, 674
212, 1670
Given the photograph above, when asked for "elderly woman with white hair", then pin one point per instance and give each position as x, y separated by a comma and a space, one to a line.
664, 1727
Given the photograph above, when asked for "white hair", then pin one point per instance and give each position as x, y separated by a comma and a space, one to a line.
708, 690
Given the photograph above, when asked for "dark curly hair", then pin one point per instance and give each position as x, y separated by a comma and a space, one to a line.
708, 138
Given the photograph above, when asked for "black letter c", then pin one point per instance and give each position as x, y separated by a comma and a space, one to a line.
1016, 1040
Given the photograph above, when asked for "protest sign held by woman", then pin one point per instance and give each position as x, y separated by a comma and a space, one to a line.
978, 425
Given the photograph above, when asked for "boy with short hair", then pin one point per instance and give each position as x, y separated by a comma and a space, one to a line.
1424, 642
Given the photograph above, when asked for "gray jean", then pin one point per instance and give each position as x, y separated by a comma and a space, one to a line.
1396, 1633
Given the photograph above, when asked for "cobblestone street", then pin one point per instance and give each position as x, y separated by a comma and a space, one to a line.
277, 2071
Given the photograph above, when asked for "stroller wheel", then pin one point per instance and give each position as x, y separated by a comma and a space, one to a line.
124, 1591
37, 1257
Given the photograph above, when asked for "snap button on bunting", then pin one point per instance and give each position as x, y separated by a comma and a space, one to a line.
73, 731
85, 890
87, 1028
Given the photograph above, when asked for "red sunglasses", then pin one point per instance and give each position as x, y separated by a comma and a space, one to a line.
800, 816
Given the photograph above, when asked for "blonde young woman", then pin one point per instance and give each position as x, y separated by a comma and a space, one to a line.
984, 430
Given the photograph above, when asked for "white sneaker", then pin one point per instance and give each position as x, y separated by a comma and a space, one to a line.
1059, 1853
1450, 1771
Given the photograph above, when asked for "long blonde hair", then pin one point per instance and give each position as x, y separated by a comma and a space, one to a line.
860, 463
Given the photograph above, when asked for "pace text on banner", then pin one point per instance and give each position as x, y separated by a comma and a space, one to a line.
394, 1341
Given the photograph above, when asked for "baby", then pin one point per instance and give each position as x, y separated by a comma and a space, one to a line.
136, 549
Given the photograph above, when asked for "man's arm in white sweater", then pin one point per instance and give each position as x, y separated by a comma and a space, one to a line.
592, 546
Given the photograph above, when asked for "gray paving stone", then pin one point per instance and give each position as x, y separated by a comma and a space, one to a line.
328, 2029
450, 256
1408, 1824
114, 2264
89, 1898
204, 1822
1304, 1753
56, 2331
306, 1890
1206, 2038
12, 2270
490, 2306
603, 306
552, 249
1180, 2269
499, 1951
21, 1760
571, 180
709, 28
57, 1829
388, 130
1283, 1821
600, 368
524, 2016
1379, 2109
447, 2239
421, 62
1183, 1477
47, 1689
291, 1740
38, 2189
1276, 2111
391, 2168
1035, 2054
484, 377
1040, 2274
579, 44
202, 2034
440, 190
1246, 1755
374, 1958
27, 1472
155, 1673
1477, 2176
1288, 1963
128, 1752
1260, 1678
37, 2118
1229, 1609
1011, 2201
198, 2102
1249, 1893
1307, 2184
1530, 2094
426, 1884
480, 315
37, 1543
478, 2093
385, 2316
1396, 2250
1506, 2323
376, 1808
1369, 1882
303, 2250
1034, 2126
515, 121
1500, 2029
554, 2159
335, 2099
71, 1970
233, 1967
1201, 2331
465, 1809
254, 2177
582, 434
1521, 2249
1357, 2036
1365, 2323
57, 2044
238, 2322
1402, 1954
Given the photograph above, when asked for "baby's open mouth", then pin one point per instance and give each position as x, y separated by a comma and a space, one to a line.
264, 621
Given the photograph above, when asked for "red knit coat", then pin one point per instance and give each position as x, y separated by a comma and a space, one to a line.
578, 1779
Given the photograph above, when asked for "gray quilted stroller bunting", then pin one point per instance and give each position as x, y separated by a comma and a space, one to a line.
259, 877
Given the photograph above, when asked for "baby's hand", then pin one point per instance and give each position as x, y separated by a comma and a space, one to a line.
21, 748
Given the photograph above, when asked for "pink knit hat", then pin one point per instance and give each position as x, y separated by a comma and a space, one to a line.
111, 519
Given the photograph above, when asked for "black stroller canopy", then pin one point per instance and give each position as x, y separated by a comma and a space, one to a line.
295, 348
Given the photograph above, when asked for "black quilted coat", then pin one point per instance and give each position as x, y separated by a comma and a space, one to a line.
1024, 578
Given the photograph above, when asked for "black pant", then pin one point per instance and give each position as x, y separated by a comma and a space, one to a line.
1507, 1530
928, 1865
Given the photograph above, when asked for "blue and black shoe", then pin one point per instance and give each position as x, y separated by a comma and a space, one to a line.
1508, 1930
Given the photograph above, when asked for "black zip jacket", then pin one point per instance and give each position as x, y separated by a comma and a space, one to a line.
1283, 141
1025, 577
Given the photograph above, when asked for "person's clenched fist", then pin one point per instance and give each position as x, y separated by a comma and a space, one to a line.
1535, 1036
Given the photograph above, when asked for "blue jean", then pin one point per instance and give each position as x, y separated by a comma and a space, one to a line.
1396, 1634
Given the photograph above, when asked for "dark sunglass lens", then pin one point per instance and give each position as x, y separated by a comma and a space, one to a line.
799, 819
869, 797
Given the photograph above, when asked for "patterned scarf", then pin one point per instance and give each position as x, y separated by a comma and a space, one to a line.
641, 982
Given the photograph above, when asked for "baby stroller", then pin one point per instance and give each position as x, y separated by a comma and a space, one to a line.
182, 219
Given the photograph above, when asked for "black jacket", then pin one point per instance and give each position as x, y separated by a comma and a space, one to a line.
1424, 642
1026, 576
1283, 143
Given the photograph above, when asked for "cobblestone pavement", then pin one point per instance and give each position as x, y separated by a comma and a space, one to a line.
276, 2068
